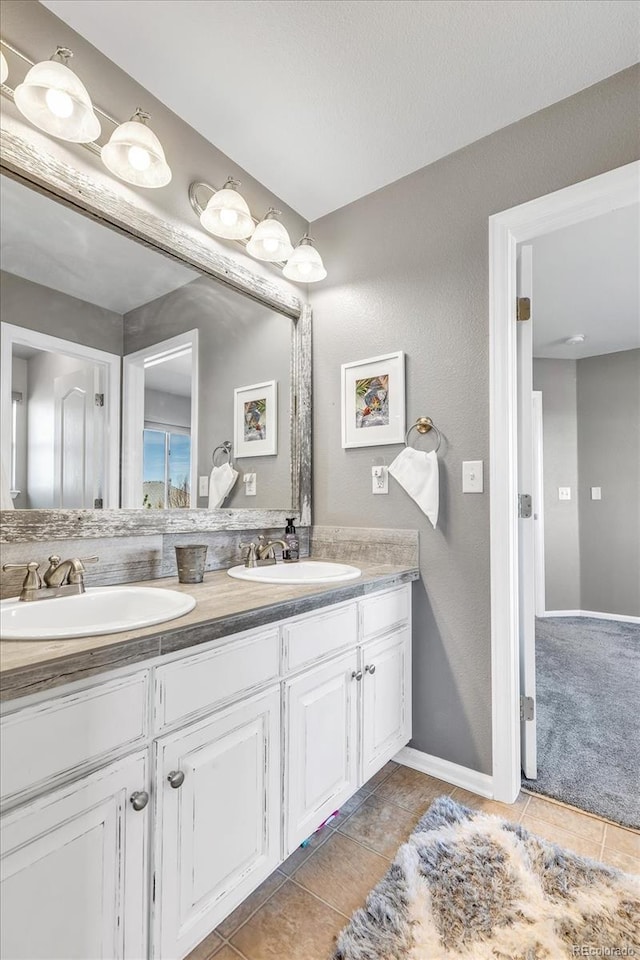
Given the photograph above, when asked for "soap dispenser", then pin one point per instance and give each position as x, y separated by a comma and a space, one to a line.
291, 538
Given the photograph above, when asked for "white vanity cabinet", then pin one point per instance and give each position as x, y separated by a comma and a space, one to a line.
386, 699
346, 718
143, 807
321, 749
217, 836
75, 870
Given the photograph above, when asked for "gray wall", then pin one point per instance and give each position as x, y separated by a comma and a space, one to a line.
30, 305
557, 381
168, 409
240, 342
408, 270
609, 457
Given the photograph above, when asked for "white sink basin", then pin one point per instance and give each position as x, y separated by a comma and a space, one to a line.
99, 610
305, 571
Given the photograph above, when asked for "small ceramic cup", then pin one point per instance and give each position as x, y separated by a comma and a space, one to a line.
191, 559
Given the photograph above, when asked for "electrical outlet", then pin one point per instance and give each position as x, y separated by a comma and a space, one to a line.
472, 476
203, 487
380, 479
249, 480
596, 493
564, 493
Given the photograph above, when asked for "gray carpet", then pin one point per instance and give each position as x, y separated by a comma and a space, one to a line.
588, 711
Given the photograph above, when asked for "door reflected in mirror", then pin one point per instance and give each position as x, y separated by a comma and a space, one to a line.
89, 311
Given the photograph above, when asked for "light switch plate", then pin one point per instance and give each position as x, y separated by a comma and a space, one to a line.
249, 480
203, 487
380, 479
472, 476
596, 493
564, 493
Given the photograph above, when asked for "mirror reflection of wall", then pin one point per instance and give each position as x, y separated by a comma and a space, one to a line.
73, 279
585, 290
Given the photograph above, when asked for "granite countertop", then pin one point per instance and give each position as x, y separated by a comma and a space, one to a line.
224, 606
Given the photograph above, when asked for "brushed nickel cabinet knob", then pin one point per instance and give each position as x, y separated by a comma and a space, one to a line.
176, 778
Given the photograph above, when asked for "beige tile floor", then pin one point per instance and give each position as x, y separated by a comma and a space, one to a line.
298, 911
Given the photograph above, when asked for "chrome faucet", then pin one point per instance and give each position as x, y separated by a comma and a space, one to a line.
262, 553
62, 578
266, 551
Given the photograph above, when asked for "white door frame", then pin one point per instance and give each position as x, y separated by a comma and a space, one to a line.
581, 201
133, 414
538, 503
10, 334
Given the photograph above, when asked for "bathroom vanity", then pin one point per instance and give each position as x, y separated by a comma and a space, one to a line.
142, 803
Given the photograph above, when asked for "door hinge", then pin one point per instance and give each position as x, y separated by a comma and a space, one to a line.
523, 308
527, 711
524, 506
99, 399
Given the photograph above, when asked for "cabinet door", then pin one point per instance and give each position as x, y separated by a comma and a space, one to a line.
218, 819
386, 699
74, 870
321, 753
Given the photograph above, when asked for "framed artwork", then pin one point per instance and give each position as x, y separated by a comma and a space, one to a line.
373, 401
255, 420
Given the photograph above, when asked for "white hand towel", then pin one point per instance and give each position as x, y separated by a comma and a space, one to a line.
417, 472
221, 483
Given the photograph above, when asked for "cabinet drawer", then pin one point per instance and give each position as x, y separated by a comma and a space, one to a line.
317, 636
44, 744
383, 611
196, 683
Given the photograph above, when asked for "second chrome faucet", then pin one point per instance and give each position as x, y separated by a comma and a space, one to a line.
262, 553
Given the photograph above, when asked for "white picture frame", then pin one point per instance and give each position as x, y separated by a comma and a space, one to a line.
255, 419
373, 413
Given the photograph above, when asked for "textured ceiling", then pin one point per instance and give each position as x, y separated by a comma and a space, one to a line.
586, 280
325, 101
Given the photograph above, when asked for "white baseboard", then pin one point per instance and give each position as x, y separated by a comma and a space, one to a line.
480, 783
621, 618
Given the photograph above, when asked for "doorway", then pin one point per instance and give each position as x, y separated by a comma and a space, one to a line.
160, 424
574, 204
60, 422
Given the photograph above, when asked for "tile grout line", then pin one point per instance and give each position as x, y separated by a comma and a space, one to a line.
227, 940
316, 897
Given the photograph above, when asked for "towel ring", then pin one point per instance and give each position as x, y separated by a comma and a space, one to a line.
226, 448
424, 425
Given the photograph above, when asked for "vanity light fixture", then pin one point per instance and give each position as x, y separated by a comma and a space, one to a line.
135, 154
55, 100
4, 67
270, 240
227, 214
305, 263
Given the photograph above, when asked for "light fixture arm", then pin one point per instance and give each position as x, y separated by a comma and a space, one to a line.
62, 55
141, 116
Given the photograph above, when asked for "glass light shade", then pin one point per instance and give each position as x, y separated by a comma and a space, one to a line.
305, 263
270, 240
227, 214
4, 67
56, 101
135, 154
